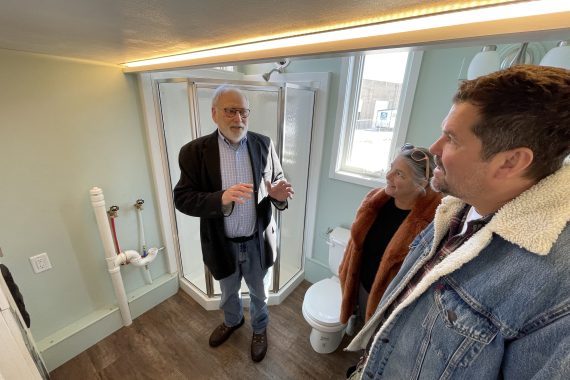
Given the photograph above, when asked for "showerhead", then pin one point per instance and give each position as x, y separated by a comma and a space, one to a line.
266, 76
280, 67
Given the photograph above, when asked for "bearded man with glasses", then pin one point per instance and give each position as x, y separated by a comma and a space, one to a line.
230, 179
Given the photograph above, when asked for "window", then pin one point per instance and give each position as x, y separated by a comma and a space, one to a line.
225, 68
373, 114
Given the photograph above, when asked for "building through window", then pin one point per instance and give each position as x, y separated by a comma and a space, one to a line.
374, 114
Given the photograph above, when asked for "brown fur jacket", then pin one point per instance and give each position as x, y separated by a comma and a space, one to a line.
349, 272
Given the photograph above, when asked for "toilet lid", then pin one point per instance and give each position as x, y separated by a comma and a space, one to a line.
322, 302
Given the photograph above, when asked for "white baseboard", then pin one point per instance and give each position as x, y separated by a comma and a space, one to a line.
73, 339
213, 303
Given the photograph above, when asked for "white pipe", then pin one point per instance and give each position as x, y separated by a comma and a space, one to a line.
146, 274
145, 269
141, 230
98, 203
133, 257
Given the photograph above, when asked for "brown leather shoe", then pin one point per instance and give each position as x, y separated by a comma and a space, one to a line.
222, 333
259, 346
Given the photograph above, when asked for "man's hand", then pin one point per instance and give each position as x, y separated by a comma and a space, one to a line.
239, 194
281, 191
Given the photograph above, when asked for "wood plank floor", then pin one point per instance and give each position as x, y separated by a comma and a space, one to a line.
170, 341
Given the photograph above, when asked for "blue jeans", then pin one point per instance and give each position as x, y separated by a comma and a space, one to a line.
248, 266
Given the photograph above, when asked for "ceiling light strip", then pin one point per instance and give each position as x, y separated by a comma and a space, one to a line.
418, 11
494, 13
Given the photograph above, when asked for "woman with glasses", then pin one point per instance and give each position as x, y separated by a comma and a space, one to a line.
386, 223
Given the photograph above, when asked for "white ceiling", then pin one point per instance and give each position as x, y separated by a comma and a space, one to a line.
118, 31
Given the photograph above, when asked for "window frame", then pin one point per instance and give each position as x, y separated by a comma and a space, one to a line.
347, 108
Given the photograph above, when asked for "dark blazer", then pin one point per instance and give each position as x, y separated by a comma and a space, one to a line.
199, 193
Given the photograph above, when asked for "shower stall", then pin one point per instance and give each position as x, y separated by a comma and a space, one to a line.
282, 111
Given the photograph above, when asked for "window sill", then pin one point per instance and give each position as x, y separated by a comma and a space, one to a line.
358, 179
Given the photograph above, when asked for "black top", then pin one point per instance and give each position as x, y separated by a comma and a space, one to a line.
15, 291
387, 222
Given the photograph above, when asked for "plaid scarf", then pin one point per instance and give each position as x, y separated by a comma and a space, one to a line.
453, 240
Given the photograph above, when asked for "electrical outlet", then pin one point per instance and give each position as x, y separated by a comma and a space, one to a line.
40, 262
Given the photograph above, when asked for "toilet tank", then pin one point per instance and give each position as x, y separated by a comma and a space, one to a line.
338, 239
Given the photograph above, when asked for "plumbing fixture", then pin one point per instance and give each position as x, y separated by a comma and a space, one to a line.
98, 203
142, 242
139, 204
115, 261
133, 257
114, 213
280, 67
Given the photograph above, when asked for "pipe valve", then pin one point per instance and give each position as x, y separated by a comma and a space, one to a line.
113, 211
139, 204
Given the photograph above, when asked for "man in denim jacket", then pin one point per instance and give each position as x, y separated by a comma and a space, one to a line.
485, 290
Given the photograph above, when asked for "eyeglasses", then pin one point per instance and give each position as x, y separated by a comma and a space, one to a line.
417, 155
231, 112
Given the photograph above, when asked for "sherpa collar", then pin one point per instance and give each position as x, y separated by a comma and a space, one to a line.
533, 220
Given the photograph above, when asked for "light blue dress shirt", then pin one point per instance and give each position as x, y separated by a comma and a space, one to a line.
235, 166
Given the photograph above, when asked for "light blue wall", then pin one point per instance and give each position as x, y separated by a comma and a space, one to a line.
65, 127
439, 77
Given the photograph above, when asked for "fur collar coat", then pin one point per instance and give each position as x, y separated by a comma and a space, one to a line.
533, 223
349, 272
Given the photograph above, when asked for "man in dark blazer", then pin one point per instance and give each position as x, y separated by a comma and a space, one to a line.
230, 179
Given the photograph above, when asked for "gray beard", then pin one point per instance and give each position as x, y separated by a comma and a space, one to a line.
442, 188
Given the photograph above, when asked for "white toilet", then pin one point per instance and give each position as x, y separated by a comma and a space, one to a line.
321, 305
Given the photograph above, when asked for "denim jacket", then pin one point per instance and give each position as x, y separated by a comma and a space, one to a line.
496, 307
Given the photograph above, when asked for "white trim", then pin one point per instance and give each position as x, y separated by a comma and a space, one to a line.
350, 75
350, 109
345, 77
406, 100
196, 73
198, 295
213, 303
18, 345
155, 141
359, 179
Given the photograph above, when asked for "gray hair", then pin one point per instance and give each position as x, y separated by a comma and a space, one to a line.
418, 166
222, 90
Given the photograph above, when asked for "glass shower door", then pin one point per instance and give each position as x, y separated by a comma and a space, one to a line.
284, 112
175, 109
296, 149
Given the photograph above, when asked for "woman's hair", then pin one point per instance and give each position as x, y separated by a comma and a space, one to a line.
417, 159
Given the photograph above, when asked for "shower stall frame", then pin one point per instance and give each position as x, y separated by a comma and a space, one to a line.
149, 84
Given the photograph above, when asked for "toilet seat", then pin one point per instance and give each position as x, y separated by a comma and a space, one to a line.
322, 303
